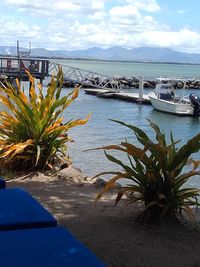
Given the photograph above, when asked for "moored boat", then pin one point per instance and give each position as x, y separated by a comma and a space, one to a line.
170, 103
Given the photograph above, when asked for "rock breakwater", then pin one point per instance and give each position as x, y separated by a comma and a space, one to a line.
133, 82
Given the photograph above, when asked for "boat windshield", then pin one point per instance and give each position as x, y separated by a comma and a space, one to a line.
165, 87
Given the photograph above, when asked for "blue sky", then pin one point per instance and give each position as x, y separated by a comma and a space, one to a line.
79, 24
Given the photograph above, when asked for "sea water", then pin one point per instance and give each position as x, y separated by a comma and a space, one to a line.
100, 130
129, 69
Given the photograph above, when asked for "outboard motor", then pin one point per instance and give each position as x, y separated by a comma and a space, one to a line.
195, 102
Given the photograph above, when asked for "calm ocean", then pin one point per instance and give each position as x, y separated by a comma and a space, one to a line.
101, 131
148, 70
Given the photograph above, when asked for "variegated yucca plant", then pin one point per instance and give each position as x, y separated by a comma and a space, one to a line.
156, 175
32, 131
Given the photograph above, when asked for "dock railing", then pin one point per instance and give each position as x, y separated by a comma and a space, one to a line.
85, 77
15, 67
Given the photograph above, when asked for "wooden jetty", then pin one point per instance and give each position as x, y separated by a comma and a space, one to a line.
131, 97
15, 67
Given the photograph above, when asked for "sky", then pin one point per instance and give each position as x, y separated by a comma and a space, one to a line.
80, 24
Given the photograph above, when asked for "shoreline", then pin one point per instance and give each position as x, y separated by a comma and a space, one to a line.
122, 61
110, 232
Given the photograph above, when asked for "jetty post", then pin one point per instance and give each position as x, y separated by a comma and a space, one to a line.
141, 85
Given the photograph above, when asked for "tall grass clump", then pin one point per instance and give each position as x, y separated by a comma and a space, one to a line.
156, 173
33, 134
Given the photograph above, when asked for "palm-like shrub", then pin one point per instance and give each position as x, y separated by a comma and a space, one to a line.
32, 131
155, 172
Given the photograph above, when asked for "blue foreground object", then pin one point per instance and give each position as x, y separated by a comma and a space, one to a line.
18, 209
2, 183
41, 247
30, 237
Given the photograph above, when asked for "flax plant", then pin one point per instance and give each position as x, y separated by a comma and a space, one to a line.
33, 134
156, 175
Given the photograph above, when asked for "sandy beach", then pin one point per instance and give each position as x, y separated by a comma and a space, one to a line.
111, 232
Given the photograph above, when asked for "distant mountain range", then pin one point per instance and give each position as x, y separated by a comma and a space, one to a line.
116, 53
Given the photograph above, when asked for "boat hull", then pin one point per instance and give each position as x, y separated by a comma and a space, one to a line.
169, 106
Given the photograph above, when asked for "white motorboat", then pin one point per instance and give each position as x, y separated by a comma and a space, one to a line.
170, 103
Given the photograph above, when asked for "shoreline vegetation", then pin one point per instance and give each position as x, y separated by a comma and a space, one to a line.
112, 233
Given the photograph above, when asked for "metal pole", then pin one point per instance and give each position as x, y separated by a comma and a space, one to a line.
140, 90
18, 49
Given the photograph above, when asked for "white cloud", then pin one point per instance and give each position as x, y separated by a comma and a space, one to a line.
18, 28
17, 2
98, 16
124, 15
124, 11
97, 5
73, 24
66, 6
13, 30
147, 5
176, 40
52, 8
130, 17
